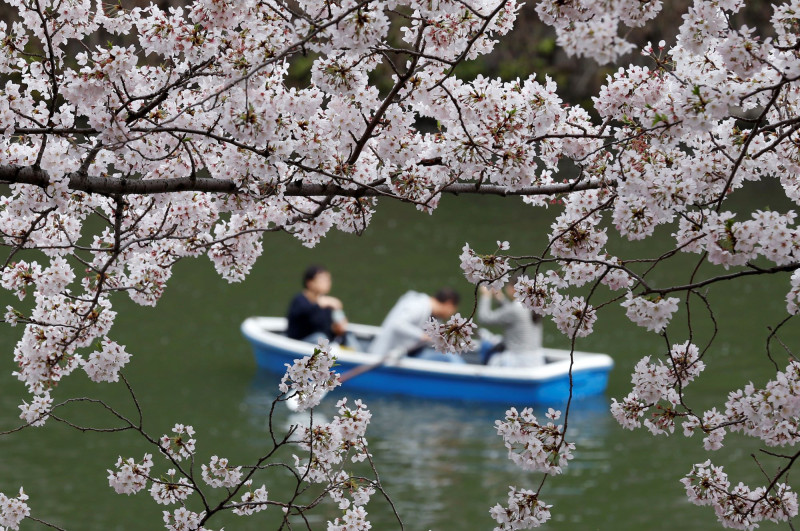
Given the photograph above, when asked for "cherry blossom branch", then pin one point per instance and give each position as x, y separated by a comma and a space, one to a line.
122, 186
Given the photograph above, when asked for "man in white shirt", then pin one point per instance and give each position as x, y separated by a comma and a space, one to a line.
403, 327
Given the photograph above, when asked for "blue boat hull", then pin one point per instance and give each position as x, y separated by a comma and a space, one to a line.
476, 386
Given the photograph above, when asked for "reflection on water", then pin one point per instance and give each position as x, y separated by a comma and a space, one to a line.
436, 456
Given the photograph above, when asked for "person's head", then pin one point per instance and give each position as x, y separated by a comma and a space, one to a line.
317, 280
508, 289
445, 303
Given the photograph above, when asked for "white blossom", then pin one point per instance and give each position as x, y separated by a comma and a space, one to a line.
311, 377
181, 445
131, 477
13, 510
219, 474
453, 336
252, 501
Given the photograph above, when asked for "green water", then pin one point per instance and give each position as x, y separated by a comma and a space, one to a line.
441, 462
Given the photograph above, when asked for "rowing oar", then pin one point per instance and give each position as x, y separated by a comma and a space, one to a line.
392, 355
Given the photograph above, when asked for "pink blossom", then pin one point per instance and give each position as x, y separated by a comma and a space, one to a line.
453, 336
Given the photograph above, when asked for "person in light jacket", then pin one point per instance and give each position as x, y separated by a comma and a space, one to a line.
402, 329
522, 329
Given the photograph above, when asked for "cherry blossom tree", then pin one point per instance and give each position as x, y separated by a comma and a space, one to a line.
185, 139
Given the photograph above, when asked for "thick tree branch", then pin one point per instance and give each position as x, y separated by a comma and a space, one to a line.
121, 186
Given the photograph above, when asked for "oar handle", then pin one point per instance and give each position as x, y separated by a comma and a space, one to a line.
292, 402
395, 354
361, 369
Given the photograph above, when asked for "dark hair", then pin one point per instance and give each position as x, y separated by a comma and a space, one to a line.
312, 271
447, 295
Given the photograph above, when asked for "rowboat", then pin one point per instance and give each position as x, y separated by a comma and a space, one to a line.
548, 383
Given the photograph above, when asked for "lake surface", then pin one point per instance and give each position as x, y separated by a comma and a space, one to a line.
442, 463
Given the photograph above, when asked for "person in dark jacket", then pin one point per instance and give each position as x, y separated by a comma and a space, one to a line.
313, 314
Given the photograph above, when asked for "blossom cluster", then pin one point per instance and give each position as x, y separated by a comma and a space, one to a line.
770, 414
332, 443
218, 474
180, 445
354, 519
453, 336
660, 384
491, 269
311, 377
739, 507
182, 519
524, 511
329, 446
104, 366
13, 510
532, 445
131, 477
253, 500
169, 490
652, 314
587, 28
573, 316
38, 411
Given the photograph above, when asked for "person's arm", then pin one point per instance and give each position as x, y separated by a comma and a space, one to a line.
502, 315
408, 320
326, 301
407, 328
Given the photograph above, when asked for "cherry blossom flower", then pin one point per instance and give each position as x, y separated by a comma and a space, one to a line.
179, 446
630, 411
252, 501
574, 316
182, 519
38, 411
104, 366
219, 474
13, 510
534, 446
311, 377
491, 269
332, 443
354, 519
652, 314
167, 492
740, 507
524, 511
453, 336
131, 477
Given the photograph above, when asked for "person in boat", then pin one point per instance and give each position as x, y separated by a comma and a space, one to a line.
521, 345
402, 329
314, 314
